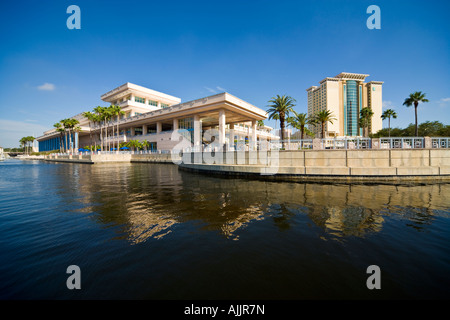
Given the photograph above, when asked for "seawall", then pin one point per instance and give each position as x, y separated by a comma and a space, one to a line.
328, 165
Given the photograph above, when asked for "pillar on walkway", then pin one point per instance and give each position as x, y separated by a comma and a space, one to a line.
231, 137
132, 131
144, 129
254, 137
222, 125
197, 131
76, 141
175, 124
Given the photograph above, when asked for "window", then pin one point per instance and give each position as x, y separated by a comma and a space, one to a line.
153, 103
164, 105
139, 99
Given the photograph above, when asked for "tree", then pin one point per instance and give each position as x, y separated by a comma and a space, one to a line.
101, 117
91, 117
323, 117
414, 99
69, 124
59, 128
387, 114
364, 121
117, 111
299, 121
281, 106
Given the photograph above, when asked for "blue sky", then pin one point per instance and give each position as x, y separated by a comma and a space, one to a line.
253, 49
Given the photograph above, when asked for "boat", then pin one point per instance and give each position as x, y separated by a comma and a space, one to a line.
2, 155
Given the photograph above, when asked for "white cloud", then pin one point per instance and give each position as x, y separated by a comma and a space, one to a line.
46, 87
444, 102
210, 90
216, 90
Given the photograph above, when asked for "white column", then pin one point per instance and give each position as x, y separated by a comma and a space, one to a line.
175, 124
222, 121
231, 137
197, 130
254, 138
144, 129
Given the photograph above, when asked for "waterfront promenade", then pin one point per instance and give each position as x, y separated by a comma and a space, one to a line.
315, 164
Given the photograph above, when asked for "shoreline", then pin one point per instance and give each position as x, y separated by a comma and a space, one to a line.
335, 166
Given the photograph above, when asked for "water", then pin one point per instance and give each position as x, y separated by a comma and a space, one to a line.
150, 231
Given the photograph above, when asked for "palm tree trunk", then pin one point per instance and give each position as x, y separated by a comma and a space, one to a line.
389, 126
323, 130
118, 132
415, 110
282, 131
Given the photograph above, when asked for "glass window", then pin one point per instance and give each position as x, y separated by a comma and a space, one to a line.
139, 99
153, 103
164, 105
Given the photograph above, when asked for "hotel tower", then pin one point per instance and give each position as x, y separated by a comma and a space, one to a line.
345, 95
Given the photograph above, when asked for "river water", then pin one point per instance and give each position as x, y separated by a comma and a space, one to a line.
151, 231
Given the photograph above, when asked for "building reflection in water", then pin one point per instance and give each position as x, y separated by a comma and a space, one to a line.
145, 201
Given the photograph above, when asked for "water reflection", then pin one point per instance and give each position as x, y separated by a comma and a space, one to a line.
145, 201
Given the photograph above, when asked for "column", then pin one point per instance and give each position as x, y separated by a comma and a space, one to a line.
231, 137
76, 141
197, 139
197, 130
132, 131
144, 129
254, 138
175, 124
158, 127
222, 127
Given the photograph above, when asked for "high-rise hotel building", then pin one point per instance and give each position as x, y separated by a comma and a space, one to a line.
345, 95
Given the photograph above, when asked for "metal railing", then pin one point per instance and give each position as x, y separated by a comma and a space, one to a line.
362, 143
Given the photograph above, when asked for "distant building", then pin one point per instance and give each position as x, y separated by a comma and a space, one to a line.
345, 95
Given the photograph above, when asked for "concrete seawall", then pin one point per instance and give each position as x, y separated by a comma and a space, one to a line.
111, 158
329, 165
304, 165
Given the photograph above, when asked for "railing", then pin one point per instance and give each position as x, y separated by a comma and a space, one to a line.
363, 143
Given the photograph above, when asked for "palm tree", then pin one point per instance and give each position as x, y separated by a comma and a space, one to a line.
387, 114
91, 117
22, 143
145, 144
59, 128
299, 122
117, 111
414, 99
101, 117
364, 121
65, 125
281, 106
323, 117
70, 124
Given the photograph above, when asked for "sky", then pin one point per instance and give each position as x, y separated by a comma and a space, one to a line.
253, 49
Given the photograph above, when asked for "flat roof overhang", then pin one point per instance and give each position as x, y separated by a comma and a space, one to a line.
208, 108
